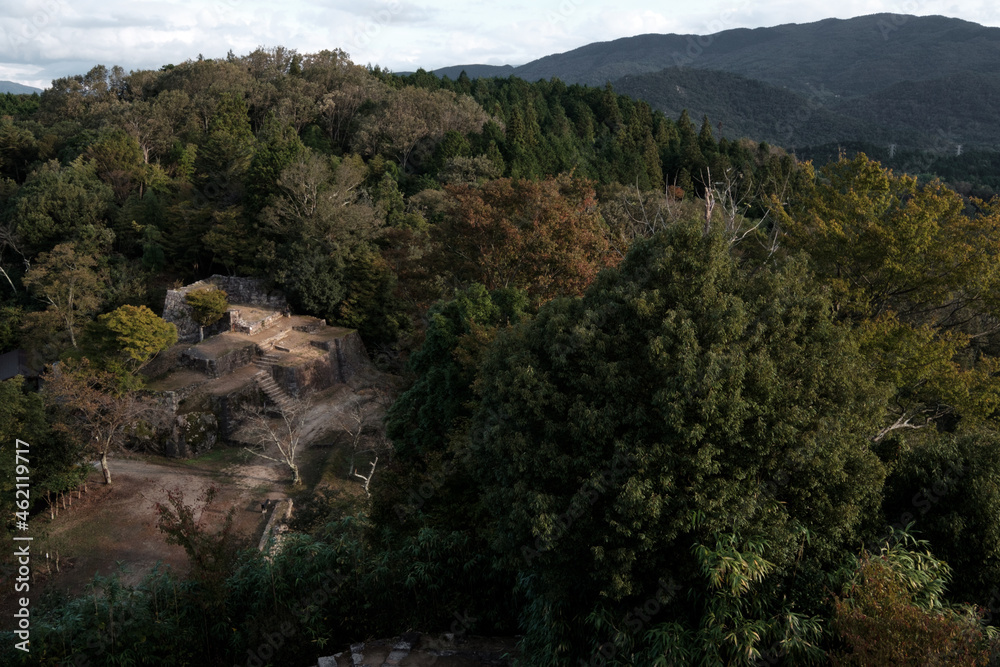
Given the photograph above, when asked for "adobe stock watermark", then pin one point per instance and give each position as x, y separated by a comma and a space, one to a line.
22, 545
583, 499
697, 44
42, 18
814, 102
946, 142
367, 29
224, 6
924, 500
636, 621
563, 12
894, 22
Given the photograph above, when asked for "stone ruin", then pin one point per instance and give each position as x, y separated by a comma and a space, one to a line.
258, 349
260, 307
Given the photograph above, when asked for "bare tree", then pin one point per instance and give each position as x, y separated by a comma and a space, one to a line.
631, 213
98, 404
727, 205
276, 437
8, 239
362, 424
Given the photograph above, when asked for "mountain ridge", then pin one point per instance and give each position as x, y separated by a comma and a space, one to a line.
17, 88
891, 78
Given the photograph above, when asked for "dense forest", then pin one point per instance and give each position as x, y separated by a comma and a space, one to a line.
669, 399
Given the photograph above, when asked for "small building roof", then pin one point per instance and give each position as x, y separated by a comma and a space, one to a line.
14, 363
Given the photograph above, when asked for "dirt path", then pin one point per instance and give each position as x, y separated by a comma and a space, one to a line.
114, 528
118, 523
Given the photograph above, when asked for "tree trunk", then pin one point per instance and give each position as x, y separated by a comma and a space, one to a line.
104, 468
296, 480
201, 334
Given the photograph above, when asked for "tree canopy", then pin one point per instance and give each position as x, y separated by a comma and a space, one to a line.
207, 305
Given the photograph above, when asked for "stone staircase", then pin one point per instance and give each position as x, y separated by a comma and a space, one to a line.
266, 382
419, 650
377, 655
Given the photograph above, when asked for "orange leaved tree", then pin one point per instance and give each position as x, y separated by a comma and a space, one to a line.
545, 237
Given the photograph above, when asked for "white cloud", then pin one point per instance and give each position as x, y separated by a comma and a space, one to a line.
45, 39
625, 23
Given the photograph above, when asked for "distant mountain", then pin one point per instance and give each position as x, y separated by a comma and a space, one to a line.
956, 109
848, 57
748, 108
924, 82
475, 71
17, 88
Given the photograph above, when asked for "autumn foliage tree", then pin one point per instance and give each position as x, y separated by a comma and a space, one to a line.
211, 551
544, 237
99, 406
918, 273
885, 243
893, 612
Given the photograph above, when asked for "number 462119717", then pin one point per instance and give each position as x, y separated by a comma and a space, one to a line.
23, 494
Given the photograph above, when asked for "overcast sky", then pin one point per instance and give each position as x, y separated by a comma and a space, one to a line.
45, 39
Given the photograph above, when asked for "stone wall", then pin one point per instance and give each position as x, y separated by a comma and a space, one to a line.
221, 364
352, 356
246, 291
346, 357
249, 291
250, 328
227, 407
166, 432
194, 434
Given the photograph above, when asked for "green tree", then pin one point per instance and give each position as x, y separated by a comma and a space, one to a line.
278, 145
11, 319
61, 204
319, 221
885, 244
131, 335
923, 276
677, 399
18, 148
65, 280
945, 485
23, 417
207, 305
227, 151
458, 333
370, 303
118, 161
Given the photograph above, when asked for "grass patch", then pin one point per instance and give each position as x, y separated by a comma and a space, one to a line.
215, 459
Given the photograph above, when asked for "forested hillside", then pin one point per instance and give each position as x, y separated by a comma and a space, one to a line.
669, 397
920, 83
851, 57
